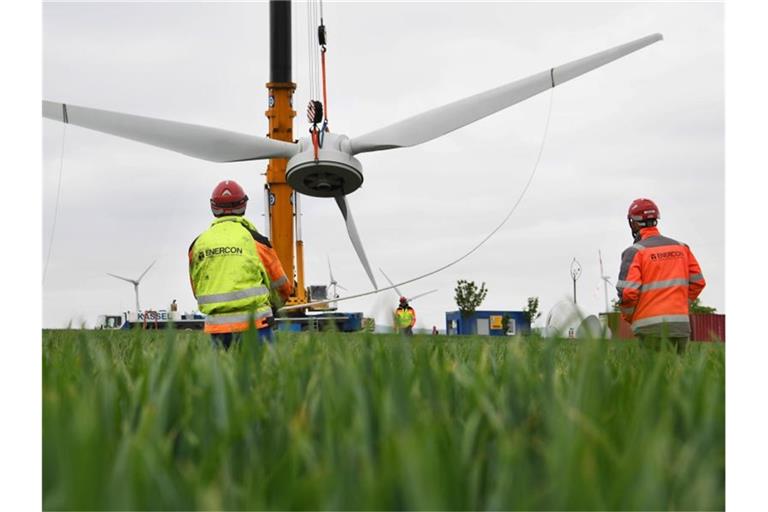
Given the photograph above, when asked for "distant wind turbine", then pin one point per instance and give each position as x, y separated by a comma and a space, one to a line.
606, 281
411, 299
397, 290
333, 283
135, 283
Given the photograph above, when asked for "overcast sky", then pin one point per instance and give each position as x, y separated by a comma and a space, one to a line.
648, 125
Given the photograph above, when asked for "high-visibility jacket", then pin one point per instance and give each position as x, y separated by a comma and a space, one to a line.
658, 280
228, 277
280, 286
405, 317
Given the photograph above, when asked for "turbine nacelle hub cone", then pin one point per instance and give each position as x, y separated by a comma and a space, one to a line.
335, 172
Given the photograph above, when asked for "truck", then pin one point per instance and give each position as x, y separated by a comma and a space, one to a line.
152, 319
320, 319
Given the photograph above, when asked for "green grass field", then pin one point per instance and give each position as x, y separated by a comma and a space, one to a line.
158, 420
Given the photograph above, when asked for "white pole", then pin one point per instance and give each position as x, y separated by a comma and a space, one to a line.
267, 217
297, 213
605, 281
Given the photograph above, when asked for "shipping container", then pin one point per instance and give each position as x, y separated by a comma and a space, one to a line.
487, 323
704, 327
709, 327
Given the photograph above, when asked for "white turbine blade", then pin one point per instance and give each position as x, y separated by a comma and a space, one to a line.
147, 270
355, 237
441, 120
330, 272
391, 283
422, 294
600, 255
123, 278
206, 143
341, 287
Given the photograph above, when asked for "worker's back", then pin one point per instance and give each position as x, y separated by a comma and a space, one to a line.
227, 272
225, 261
658, 278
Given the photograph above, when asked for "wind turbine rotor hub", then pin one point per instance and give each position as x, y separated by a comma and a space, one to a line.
324, 178
335, 172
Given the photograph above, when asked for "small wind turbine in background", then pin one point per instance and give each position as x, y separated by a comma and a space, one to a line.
135, 283
333, 283
606, 281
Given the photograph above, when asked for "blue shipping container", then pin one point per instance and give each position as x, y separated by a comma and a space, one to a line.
487, 323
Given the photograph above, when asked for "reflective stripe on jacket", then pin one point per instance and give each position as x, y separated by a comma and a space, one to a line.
658, 279
228, 277
405, 317
281, 287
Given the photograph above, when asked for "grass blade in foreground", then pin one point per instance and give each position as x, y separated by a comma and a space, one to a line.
157, 420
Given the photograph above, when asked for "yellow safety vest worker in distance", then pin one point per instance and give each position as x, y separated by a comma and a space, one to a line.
405, 317
228, 277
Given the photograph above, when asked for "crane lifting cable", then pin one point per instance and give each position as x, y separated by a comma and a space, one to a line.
321, 40
468, 253
317, 111
310, 70
56, 207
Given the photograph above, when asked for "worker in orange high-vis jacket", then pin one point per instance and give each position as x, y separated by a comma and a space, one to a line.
235, 274
658, 280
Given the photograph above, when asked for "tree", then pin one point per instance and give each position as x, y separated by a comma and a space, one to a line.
531, 311
696, 307
468, 296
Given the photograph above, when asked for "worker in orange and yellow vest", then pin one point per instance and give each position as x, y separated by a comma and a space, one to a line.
658, 280
405, 317
235, 273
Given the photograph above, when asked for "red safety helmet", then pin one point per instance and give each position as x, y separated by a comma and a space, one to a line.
228, 198
644, 212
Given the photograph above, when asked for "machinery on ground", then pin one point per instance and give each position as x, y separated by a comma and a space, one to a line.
151, 319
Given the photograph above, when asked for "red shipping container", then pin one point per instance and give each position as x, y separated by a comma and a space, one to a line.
709, 327
704, 327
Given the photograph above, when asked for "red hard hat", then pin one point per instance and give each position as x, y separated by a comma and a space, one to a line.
228, 198
642, 210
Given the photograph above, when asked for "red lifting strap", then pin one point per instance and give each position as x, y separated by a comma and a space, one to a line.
325, 97
315, 140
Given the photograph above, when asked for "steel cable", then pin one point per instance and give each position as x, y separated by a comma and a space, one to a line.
309, 53
56, 207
